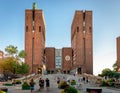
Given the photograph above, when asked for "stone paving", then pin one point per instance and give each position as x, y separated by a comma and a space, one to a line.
54, 87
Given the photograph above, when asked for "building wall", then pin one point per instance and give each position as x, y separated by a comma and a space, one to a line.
50, 58
118, 52
66, 59
81, 41
34, 39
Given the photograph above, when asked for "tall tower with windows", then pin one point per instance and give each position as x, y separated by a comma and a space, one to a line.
81, 42
118, 53
34, 38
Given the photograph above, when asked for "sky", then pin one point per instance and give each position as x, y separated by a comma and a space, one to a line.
58, 16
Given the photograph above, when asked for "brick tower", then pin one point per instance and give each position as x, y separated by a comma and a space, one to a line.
34, 38
66, 59
118, 53
81, 42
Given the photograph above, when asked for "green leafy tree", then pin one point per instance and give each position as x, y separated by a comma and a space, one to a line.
22, 55
9, 64
23, 68
11, 50
115, 66
105, 72
116, 75
13, 62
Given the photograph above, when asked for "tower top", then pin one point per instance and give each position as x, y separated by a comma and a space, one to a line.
34, 6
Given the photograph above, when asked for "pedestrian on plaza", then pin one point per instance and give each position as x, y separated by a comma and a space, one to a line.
32, 83
87, 80
47, 83
84, 79
58, 80
40, 83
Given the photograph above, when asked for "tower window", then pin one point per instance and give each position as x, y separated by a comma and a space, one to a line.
83, 21
83, 16
90, 29
26, 28
77, 29
39, 28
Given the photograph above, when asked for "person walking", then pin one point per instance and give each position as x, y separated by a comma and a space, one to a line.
40, 83
58, 80
32, 83
47, 83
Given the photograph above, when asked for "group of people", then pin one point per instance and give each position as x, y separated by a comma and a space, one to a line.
41, 84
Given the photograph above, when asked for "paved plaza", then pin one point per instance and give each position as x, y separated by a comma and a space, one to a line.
54, 88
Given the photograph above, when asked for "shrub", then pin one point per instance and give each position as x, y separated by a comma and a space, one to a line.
8, 84
104, 83
70, 89
73, 82
62, 84
25, 86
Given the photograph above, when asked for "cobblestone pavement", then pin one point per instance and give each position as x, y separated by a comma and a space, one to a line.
54, 87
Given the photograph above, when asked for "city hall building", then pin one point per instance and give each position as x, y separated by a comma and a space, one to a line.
77, 58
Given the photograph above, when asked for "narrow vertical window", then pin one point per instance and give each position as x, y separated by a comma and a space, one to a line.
39, 28
84, 51
77, 29
83, 21
90, 29
26, 28
83, 16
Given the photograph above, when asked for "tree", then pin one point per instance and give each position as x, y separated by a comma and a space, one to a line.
9, 64
115, 66
13, 62
11, 50
23, 68
22, 54
106, 72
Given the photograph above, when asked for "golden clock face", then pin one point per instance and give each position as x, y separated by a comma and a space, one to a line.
67, 58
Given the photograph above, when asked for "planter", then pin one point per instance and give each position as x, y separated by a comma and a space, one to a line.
25, 86
8, 84
62, 85
4, 89
72, 82
94, 90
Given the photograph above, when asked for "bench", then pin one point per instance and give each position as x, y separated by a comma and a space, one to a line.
94, 90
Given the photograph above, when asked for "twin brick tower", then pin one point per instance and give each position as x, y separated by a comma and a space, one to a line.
77, 58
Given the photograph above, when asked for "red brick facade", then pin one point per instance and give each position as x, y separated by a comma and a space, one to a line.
118, 53
80, 55
81, 41
66, 59
50, 59
34, 39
